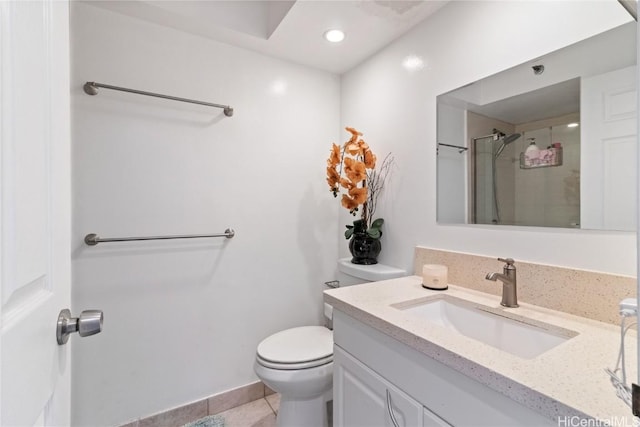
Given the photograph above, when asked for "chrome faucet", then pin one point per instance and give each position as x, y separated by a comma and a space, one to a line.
508, 279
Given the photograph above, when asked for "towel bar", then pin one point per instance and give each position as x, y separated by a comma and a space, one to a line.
91, 88
93, 239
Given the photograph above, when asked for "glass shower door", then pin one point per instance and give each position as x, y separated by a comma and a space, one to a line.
484, 207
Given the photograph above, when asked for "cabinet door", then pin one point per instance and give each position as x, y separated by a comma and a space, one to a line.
362, 398
429, 419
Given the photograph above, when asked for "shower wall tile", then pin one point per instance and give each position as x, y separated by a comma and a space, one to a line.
580, 292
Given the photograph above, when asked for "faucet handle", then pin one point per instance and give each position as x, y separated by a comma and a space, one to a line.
509, 261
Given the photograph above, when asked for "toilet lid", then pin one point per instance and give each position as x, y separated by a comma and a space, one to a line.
297, 345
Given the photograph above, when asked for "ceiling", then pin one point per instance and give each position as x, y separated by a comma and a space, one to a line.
549, 101
289, 29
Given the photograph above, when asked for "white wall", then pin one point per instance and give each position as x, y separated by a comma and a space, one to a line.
464, 42
183, 318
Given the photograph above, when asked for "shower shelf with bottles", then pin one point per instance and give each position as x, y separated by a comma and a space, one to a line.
542, 159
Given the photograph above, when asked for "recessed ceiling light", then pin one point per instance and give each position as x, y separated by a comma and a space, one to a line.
334, 36
413, 63
572, 125
278, 87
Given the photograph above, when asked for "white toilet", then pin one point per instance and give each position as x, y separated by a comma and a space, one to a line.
298, 362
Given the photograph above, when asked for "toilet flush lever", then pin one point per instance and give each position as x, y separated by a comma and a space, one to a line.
89, 323
333, 284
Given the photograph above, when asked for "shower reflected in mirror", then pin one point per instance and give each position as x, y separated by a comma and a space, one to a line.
485, 148
551, 149
510, 189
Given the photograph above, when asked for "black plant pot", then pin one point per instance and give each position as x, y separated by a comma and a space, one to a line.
364, 249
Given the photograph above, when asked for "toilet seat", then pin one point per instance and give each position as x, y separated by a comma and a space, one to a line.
297, 348
294, 366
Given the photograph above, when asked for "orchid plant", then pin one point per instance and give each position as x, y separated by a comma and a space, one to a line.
351, 172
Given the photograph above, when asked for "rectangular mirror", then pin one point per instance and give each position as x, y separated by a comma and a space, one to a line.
550, 143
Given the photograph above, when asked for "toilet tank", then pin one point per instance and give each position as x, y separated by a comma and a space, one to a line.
356, 274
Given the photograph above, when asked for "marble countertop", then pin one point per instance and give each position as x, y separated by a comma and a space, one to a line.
567, 380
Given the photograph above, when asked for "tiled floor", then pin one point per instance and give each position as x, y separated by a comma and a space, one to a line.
259, 413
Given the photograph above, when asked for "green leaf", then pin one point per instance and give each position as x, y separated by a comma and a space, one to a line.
374, 233
349, 226
348, 233
377, 223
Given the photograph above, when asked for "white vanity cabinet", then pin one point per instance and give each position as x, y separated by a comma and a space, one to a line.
379, 381
363, 398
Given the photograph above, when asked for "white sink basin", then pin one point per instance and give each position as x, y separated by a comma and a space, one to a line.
505, 331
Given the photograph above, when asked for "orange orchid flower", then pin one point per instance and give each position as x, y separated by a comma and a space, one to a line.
334, 158
333, 174
352, 148
358, 194
353, 131
347, 183
369, 159
332, 179
355, 170
349, 203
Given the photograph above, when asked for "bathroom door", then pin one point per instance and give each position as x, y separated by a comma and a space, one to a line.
34, 211
608, 109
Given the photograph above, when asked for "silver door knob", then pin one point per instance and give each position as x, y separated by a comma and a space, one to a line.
89, 323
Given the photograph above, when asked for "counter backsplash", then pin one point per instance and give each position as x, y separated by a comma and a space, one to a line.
580, 292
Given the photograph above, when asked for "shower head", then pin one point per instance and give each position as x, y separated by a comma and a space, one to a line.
510, 138
506, 140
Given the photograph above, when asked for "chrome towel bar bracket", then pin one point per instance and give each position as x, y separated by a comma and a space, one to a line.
91, 88
93, 239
